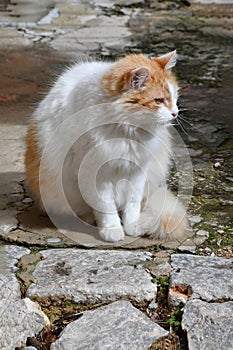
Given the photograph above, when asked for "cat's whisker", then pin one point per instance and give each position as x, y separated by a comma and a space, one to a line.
196, 110
183, 109
193, 109
190, 124
186, 121
182, 127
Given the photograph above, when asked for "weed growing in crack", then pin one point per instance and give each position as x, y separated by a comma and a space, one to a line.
168, 318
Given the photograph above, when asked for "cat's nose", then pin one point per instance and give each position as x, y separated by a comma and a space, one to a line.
174, 112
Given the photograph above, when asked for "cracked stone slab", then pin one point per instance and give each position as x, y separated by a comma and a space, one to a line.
10, 254
35, 228
98, 31
20, 320
208, 326
207, 278
116, 326
8, 220
9, 286
90, 275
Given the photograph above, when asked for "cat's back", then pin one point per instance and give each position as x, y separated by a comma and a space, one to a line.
83, 75
79, 86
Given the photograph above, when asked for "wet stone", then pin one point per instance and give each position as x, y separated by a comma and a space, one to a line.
208, 278
208, 326
116, 326
94, 276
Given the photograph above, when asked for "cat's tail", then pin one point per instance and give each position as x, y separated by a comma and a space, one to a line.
164, 216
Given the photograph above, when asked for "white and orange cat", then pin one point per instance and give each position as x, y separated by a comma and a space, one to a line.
113, 121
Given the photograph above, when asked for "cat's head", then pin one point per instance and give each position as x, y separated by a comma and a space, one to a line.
145, 83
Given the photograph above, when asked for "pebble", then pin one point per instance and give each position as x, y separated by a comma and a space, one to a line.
208, 250
195, 219
202, 233
27, 200
217, 165
53, 240
153, 305
220, 231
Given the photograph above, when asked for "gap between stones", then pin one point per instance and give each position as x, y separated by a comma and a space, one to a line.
62, 310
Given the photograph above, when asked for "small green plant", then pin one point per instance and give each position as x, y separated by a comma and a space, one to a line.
154, 280
175, 319
162, 282
173, 322
162, 285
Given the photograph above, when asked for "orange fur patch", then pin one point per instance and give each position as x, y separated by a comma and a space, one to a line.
116, 81
32, 160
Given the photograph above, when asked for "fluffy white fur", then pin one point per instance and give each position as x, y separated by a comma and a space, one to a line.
112, 174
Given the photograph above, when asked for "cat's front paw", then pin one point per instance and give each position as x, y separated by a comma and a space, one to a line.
112, 234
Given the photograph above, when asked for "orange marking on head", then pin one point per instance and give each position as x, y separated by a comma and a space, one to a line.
117, 80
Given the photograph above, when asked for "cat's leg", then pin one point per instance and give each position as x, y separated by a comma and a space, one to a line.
110, 229
132, 211
107, 217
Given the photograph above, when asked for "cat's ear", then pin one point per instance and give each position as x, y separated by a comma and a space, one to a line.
167, 61
138, 78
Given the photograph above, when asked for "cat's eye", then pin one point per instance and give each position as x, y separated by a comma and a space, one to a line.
159, 101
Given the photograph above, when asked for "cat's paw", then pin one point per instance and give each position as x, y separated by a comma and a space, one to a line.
135, 230
112, 234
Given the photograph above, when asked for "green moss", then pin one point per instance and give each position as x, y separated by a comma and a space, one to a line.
26, 266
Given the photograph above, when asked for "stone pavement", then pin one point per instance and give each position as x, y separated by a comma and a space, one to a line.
60, 293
